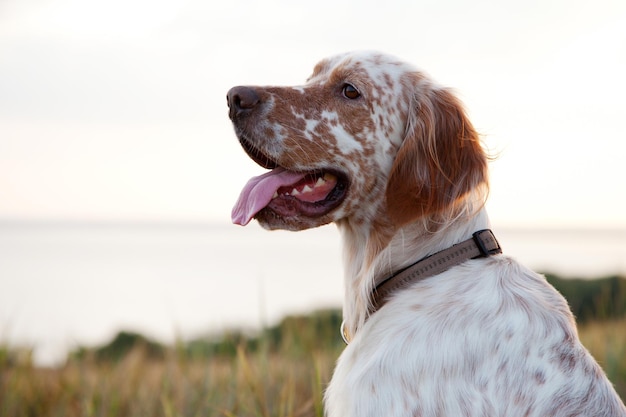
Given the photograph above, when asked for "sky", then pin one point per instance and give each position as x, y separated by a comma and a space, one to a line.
116, 111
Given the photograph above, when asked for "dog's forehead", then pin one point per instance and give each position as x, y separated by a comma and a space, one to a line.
377, 67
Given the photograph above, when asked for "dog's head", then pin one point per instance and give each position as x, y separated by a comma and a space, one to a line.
366, 136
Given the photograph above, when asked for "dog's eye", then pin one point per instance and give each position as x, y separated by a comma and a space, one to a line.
350, 91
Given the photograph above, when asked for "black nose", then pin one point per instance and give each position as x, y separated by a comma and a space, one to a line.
241, 100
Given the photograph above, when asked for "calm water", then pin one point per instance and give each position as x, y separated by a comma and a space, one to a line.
66, 285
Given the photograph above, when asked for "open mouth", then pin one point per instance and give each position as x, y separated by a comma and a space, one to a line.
288, 193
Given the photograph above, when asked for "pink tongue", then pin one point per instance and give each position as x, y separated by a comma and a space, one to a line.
258, 192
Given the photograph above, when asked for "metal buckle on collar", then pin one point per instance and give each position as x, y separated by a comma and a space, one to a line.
344, 333
484, 251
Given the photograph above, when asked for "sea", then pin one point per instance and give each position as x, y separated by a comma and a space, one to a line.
66, 285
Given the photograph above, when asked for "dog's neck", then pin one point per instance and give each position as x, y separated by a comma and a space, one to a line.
373, 251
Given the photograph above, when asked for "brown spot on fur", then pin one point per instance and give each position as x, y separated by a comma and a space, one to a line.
540, 377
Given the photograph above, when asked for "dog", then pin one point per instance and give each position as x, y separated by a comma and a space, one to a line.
439, 321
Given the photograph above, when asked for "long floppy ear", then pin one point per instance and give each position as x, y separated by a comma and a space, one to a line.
439, 162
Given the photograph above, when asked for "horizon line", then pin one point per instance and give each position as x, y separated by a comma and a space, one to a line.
212, 223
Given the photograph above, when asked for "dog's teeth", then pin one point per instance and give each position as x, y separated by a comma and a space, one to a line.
320, 181
329, 177
307, 189
295, 192
275, 195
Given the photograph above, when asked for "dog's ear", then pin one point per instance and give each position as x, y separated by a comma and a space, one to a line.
439, 162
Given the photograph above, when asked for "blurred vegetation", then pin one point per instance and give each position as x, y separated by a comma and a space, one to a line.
295, 335
121, 345
279, 371
595, 299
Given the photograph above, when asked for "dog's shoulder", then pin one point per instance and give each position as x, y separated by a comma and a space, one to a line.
486, 338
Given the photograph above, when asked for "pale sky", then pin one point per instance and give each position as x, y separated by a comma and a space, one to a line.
116, 109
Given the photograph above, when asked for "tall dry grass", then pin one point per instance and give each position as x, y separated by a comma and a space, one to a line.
259, 384
606, 340
282, 382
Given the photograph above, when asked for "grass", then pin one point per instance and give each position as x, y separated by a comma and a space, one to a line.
258, 383
606, 340
269, 379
